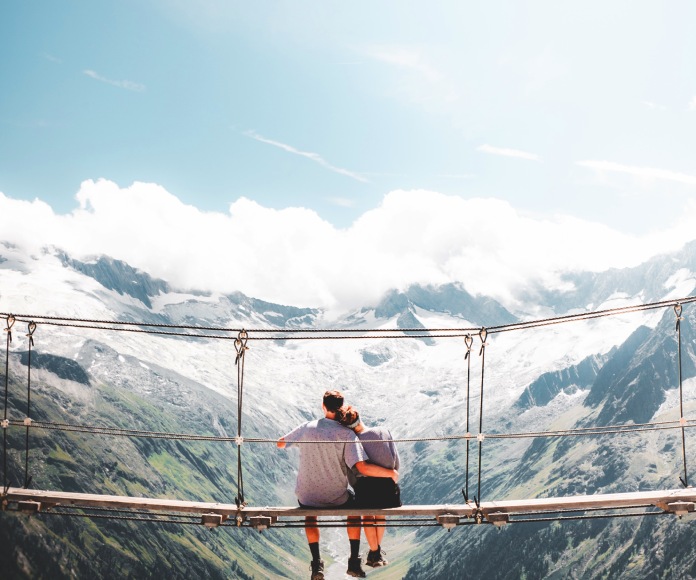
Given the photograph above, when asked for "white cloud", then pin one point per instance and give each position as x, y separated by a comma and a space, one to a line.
416, 79
508, 152
692, 104
309, 155
341, 201
653, 106
128, 85
645, 173
405, 57
292, 256
52, 58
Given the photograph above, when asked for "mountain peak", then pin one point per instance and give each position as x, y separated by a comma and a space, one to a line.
119, 276
451, 299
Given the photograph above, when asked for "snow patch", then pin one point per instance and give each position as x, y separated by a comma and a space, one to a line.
681, 283
161, 301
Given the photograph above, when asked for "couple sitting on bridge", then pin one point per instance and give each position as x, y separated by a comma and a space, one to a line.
358, 471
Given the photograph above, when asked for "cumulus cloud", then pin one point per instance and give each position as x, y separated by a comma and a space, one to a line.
505, 152
128, 85
292, 256
645, 173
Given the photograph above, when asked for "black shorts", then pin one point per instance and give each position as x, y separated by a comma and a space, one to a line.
377, 492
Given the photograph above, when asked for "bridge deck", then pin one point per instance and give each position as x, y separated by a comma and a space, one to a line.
679, 501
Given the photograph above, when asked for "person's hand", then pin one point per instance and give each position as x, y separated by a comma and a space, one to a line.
395, 476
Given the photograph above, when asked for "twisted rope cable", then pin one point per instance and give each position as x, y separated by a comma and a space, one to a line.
483, 334
291, 334
27, 422
678, 312
583, 431
523, 520
468, 342
8, 329
240, 345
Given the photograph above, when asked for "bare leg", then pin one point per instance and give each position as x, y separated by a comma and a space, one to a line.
311, 529
371, 532
379, 530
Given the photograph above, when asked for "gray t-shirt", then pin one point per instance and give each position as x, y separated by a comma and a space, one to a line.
323, 475
384, 452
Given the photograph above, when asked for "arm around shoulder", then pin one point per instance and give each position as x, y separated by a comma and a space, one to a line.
373, 470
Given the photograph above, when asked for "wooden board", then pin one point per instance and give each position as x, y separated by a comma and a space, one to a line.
683, 500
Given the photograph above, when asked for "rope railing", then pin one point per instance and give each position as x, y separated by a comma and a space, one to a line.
626, 429
240, 343
333, 333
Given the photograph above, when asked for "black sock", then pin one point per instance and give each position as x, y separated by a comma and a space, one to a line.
354, 548
314, 548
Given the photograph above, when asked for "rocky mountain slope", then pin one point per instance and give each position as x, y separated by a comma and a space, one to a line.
599, 372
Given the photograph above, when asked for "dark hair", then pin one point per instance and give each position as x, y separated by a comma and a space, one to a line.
333, 401
348, 415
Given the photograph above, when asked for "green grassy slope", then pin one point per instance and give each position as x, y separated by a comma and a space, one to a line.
59, 546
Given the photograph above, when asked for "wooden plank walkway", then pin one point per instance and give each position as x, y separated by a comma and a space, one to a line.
678, 501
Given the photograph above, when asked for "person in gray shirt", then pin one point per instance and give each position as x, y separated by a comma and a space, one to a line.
374, 492
324, 475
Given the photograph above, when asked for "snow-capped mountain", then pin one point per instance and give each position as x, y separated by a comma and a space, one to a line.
603, 371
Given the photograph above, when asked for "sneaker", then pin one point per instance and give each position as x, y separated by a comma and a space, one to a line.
376, 559
355, 568
317, 567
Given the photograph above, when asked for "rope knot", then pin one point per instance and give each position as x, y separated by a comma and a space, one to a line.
468, 342
5, 423
239, 440
483, 334
678, 312
240, 345
10, 323
31, 327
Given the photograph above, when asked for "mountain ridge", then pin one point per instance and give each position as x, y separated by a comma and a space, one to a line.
597, 372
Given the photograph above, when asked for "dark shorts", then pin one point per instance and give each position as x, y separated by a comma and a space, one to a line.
377, 492
350, 503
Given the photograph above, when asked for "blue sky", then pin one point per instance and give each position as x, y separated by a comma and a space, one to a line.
395, 142
585, 108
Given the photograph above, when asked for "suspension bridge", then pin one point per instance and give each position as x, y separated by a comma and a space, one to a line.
472, 511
